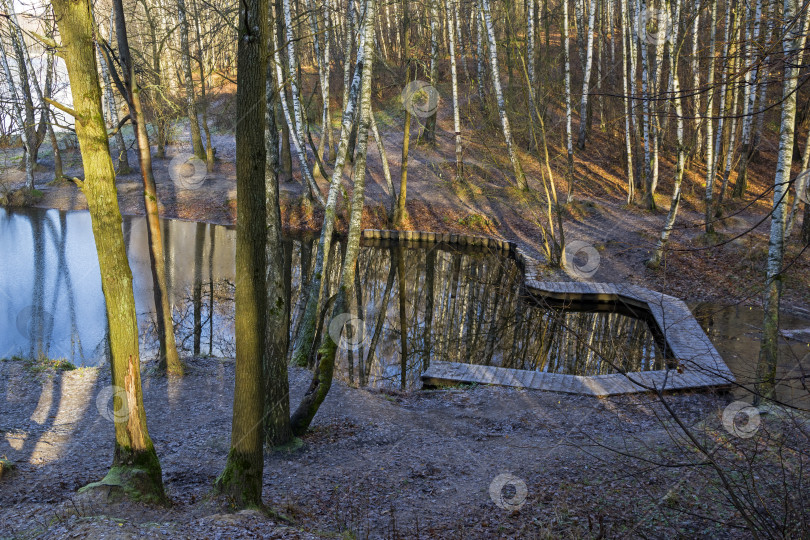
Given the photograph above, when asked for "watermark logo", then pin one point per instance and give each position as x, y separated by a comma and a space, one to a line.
31, 322
420, 99
573, 262
348, 331
655, 26
187, 170
105, 403
740, 410
508, 492
803, 186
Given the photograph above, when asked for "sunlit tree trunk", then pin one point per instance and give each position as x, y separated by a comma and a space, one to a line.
748, 103
451, 15
241, 480
168, 359
583, 107
520, 178
305, 340
324, 371
292, 65
429, 132
135, 468
296, 131
769, 348
708, 201
569, 136
628, 108
277, 388
209, 148
401, 214
655, 259
191, 99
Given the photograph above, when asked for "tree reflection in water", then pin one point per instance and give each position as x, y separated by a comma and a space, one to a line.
415, 303
451, 304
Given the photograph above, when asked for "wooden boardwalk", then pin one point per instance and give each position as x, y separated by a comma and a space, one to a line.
700, 365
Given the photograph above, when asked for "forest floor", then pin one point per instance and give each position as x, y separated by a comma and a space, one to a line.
374, 464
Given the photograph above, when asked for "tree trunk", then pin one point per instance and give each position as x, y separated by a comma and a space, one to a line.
655, 260
628, 109
709, 212
583, 108
429, 132
569, 137
209, 148
191, 100
324, 371
19, 118
520, 178
451, 15
769, 348
168, 358
135, 469
305, 340
241, 479
277, 389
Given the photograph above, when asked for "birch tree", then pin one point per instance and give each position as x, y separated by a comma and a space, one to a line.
25, 134
324, 370
769, 348
583, 107
569, 136
520, 178
674, 50
191, 99
451, 15
305, 340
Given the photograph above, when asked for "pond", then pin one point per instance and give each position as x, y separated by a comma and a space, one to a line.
455, 304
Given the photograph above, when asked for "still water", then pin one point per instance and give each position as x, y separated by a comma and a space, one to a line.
456, 304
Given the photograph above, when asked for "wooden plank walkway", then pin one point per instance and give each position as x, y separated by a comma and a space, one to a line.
701, 366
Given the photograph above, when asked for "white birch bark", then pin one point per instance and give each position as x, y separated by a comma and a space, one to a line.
306, 334
292, 63
628, 108
451, 12
569, 137
680, 164
297, 141
18, 114
769, 352
710, 124
695, 66
520, 178
583, 107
